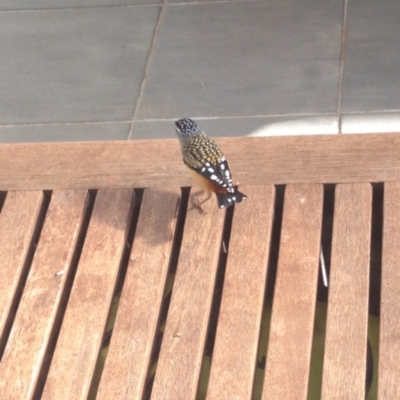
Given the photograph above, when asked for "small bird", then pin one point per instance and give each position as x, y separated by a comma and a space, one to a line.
206, 163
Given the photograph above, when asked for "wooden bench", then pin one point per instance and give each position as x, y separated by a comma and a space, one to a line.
191, 293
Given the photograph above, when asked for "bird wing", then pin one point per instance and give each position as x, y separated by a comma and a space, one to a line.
217, 173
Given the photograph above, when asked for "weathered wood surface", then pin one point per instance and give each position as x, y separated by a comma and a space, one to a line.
239, 320
44, 309
150, 163
128, 359
347, 319
32, 328
79, 341
292, 320
389, 348
18, 220
181, 354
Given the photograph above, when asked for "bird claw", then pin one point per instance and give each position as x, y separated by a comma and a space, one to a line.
196, 202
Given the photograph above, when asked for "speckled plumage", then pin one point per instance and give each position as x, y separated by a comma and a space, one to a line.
207, 163
199, 150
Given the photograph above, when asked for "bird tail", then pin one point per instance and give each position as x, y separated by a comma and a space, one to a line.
227, 199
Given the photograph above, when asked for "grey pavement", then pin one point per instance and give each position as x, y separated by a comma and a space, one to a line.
126, 69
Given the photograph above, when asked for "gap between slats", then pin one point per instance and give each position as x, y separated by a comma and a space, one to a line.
215, 307
317, 352
2, 198
269, 292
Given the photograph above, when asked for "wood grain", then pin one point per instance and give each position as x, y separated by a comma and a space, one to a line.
347, 319
179, 364
155, 163
239, 320
293, 309
127, 363
18, 219
85, 318
389, 330
29, 337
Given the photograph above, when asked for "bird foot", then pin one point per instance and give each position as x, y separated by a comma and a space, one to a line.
197, 203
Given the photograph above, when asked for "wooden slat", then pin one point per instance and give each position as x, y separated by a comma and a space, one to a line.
293, 309
347, 318
85, 318
18, 219
26, 347
185, 332
239, 320
254, 161
129, 354
389, 330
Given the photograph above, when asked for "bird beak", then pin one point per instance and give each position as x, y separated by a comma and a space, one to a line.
178, 131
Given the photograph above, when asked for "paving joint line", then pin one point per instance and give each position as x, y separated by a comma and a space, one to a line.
341, 65
147, 68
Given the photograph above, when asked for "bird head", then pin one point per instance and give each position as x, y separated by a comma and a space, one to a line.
186, 127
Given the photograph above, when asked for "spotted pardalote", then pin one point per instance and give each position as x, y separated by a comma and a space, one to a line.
206, 162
